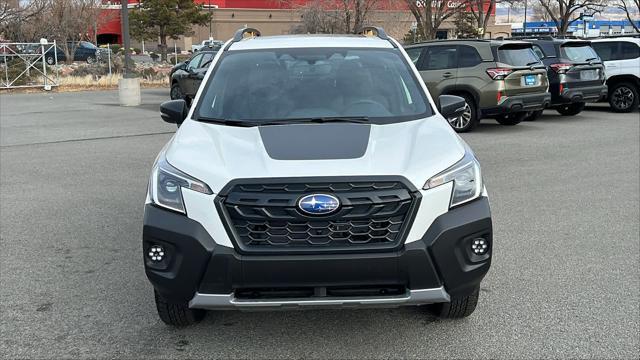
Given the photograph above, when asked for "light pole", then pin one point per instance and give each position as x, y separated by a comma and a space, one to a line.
128, 86
210, 33
524, 23
125, 39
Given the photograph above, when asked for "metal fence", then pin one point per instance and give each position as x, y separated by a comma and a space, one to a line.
29, 65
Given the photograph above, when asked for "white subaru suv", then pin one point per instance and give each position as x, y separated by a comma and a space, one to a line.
315, 171
621, 57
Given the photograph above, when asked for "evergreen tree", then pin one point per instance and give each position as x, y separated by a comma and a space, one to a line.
162, 19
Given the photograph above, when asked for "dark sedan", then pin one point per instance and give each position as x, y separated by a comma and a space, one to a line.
84, 51
186, 77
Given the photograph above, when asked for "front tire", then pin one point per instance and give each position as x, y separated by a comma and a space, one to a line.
458, 307
176, 92
50, 60
570, 109
511, 119
469, 119
91, 59
177, 314
624, 97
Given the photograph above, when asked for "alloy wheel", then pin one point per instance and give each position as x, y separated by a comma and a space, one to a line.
463, 120
623, 97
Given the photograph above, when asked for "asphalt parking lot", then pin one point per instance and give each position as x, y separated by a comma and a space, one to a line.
565, 280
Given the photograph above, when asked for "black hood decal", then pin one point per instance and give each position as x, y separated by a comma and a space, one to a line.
315, 141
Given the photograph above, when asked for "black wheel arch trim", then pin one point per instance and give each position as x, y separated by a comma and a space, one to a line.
616, 79
458, 89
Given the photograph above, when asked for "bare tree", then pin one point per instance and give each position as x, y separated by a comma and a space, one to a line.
70, 21
568, 11
430, 14
333, 16
17, 19
481, 11
318, 18
540, 13
630, 8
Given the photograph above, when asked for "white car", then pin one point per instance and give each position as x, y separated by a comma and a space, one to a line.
621, 58
315, 171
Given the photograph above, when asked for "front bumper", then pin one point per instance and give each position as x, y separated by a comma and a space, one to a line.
579, 94
209, 276
519, 103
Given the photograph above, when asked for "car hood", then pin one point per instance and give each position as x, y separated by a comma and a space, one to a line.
217, 154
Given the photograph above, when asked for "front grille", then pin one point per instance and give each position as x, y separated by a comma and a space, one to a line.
263, 217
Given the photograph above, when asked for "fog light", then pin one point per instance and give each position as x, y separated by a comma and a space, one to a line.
156, 253
479, 246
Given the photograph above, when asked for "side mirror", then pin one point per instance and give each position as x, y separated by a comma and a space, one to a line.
451, 106
174, 111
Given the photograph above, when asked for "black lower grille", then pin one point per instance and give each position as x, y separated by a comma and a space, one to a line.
265, 218
318, 293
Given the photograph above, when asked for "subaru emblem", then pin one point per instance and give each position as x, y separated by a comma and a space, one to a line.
318, 204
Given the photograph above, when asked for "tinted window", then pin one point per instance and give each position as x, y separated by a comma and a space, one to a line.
606, 50
517, 56
468, 57
578, 53
194, 62
87, 45
281, 84
206, 59
629, 50
440, 57
414, 54
548, 48
538, 51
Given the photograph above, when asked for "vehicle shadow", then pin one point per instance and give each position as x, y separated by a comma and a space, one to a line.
491, 126
144, 106
314, 333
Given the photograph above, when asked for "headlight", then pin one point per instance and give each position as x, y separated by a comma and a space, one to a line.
466, 177
167, 182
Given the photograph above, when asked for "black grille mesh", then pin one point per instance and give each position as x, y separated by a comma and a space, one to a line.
264, 217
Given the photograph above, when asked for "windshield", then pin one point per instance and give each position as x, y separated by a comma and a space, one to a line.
578, 53
282, 84
87, 45
521, 56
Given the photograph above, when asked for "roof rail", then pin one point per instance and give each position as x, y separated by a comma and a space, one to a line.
448, 40
613, 36
374, 31
239, 35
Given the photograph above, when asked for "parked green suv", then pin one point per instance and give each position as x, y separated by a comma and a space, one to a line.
499, 79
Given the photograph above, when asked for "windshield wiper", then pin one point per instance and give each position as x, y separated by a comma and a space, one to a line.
533, 63
327, 119
229, 122
591, 59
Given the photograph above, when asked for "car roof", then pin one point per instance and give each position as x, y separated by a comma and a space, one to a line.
492, 42
620, 38
310, 41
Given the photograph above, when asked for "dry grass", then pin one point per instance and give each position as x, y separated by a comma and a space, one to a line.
89, 82
107, 81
